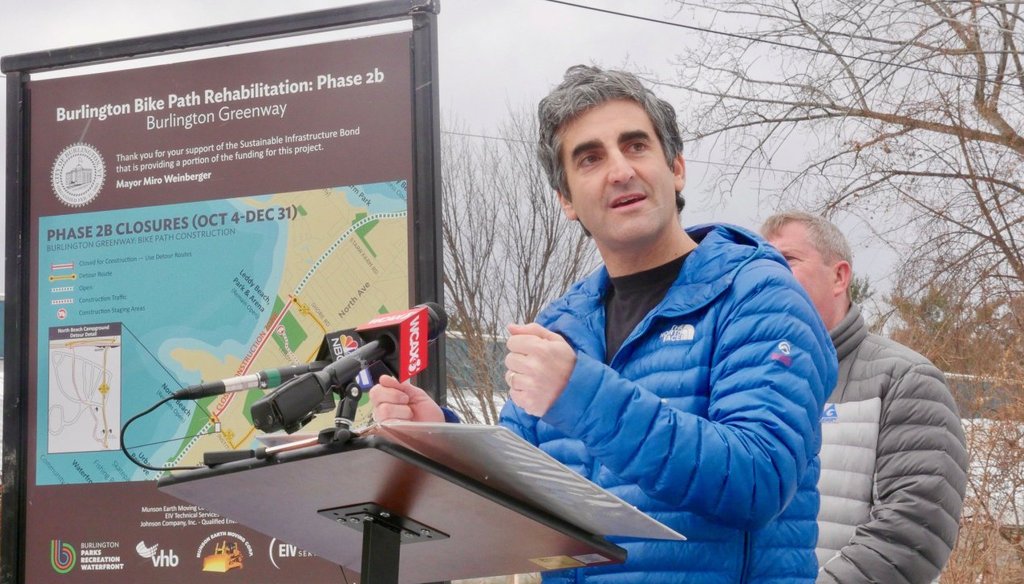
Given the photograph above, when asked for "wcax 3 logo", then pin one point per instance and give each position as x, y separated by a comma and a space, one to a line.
160, 558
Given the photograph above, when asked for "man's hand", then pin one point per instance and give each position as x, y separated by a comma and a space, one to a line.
539, 364
394, 400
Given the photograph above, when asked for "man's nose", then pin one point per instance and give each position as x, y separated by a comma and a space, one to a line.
620, 170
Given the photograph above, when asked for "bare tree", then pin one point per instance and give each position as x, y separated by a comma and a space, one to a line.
982, 343
912, 112
990, 548
508, 252
908, 114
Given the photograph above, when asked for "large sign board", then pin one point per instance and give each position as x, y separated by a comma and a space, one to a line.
185, 222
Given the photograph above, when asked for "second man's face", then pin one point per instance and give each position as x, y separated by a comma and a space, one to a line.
620, 187
821, 280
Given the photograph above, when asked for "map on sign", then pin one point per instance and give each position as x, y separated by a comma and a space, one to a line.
84, 409
138, 303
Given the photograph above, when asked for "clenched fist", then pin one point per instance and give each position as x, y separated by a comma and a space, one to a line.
539, 364
394, 400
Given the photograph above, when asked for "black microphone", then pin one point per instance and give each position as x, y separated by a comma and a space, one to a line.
260, 380
398, 339
332, 347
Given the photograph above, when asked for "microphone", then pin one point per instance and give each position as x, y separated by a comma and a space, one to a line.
398, 339
334, 345
338, 344
259, 380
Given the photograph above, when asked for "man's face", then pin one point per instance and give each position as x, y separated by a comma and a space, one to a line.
620, 187
825, 283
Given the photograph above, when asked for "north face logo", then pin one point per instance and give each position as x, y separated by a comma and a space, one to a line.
678, 333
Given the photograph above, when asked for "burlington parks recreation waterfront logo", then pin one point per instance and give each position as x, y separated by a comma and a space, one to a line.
78, 174
62, 556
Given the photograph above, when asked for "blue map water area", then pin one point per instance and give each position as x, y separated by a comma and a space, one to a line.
387, 197
174, 290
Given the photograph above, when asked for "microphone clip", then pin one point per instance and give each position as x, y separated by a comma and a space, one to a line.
344, 417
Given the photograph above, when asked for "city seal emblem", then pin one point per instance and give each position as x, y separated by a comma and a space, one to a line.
78, 174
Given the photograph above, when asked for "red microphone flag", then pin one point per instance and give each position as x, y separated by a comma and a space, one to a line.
409, 329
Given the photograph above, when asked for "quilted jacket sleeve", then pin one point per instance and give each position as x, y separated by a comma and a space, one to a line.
771, 366
919, 483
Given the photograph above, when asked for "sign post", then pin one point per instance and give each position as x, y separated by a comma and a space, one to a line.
194, 219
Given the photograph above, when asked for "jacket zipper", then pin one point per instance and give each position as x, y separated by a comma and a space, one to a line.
746, 557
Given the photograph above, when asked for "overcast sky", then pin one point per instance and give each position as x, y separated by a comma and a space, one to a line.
493, 54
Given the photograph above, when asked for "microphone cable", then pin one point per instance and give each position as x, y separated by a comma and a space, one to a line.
137, 462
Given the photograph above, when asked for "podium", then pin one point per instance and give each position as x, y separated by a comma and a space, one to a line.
407, 502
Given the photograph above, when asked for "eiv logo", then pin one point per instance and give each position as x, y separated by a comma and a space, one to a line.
286, 554
160, 558
678, 333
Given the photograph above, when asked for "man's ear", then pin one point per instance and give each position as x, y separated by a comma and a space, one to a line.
567, 208
842, 275
679, 172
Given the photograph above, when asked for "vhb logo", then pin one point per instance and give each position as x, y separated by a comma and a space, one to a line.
160, 558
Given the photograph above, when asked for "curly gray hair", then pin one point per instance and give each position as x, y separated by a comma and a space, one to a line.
585, 87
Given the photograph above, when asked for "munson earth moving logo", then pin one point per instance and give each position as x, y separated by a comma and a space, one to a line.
229, 552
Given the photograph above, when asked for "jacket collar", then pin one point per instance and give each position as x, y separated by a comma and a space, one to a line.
848, 334
708, 272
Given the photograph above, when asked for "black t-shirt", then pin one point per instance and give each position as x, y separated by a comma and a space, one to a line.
631, 297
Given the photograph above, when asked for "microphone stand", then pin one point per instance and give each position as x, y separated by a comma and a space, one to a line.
339, 435
344, 417
383, 531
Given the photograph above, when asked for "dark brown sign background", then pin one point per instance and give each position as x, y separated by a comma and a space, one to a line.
104, 520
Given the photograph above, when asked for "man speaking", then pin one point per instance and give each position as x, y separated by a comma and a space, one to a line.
686, 376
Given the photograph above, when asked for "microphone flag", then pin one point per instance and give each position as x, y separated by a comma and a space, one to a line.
410, 328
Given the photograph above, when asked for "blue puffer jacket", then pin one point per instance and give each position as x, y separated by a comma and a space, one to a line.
708, 418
